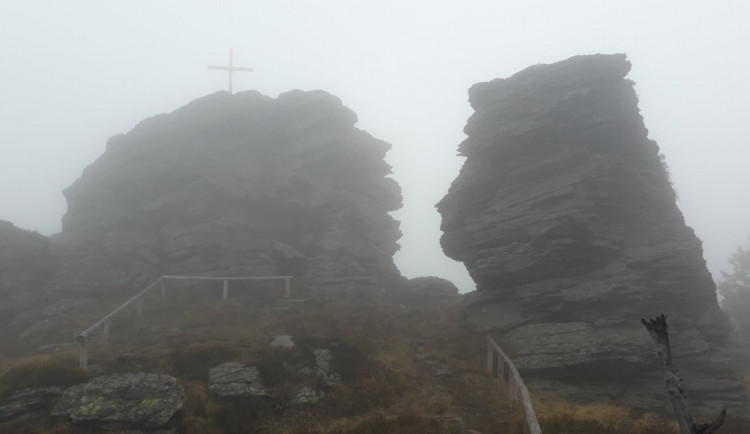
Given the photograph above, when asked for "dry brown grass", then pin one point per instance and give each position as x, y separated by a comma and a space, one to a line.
557, 415
40, 371
386, 391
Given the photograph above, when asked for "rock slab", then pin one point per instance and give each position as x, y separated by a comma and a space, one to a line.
123, 401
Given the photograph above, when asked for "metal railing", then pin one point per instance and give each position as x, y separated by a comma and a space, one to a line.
104, 323
497, 360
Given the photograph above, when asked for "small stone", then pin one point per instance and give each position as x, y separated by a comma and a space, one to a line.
323, 359
284, 341
307, 395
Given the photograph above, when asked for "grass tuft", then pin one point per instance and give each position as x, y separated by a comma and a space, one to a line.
193, 361
41, 371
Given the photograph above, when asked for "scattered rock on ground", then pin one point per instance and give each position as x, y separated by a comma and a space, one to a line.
284, 341
307, 395
29, 400
323, 359
235, 380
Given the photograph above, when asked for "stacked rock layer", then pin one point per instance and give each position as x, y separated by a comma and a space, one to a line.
565, 217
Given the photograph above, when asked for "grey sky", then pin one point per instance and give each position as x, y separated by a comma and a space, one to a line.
75, 73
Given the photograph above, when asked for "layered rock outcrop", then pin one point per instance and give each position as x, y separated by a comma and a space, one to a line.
238, 184
564, 215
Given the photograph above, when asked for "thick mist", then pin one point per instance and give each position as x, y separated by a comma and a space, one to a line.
76, 74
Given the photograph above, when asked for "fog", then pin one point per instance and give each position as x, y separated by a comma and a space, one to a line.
75, 73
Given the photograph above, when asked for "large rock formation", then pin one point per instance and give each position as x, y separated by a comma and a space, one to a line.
565, 218
238, 184
228, 185
26, 263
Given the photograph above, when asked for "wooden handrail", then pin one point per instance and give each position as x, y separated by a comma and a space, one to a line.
225, 278
105, 318
493, 351
104, 322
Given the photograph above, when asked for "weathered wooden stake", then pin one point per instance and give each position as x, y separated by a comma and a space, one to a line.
659, 331
83, 353
105, 332
225, 294
490, 360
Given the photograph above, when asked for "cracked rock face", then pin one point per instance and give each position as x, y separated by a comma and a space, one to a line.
566, 220
123, 401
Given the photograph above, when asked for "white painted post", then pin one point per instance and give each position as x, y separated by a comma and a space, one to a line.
287, 288
83, 353
105, 332
225, 294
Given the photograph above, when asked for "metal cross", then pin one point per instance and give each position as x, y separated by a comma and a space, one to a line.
230, 69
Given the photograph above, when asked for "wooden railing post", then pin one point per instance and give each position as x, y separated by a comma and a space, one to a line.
517, 391
83, 352
105, 332
105, 323
490, 360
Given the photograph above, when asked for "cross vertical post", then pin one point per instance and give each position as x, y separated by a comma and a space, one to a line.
230, 69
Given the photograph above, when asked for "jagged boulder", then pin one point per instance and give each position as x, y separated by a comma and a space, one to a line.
123, 401
564, 215
239, 184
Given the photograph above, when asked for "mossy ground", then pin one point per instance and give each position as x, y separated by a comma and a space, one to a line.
386, 389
